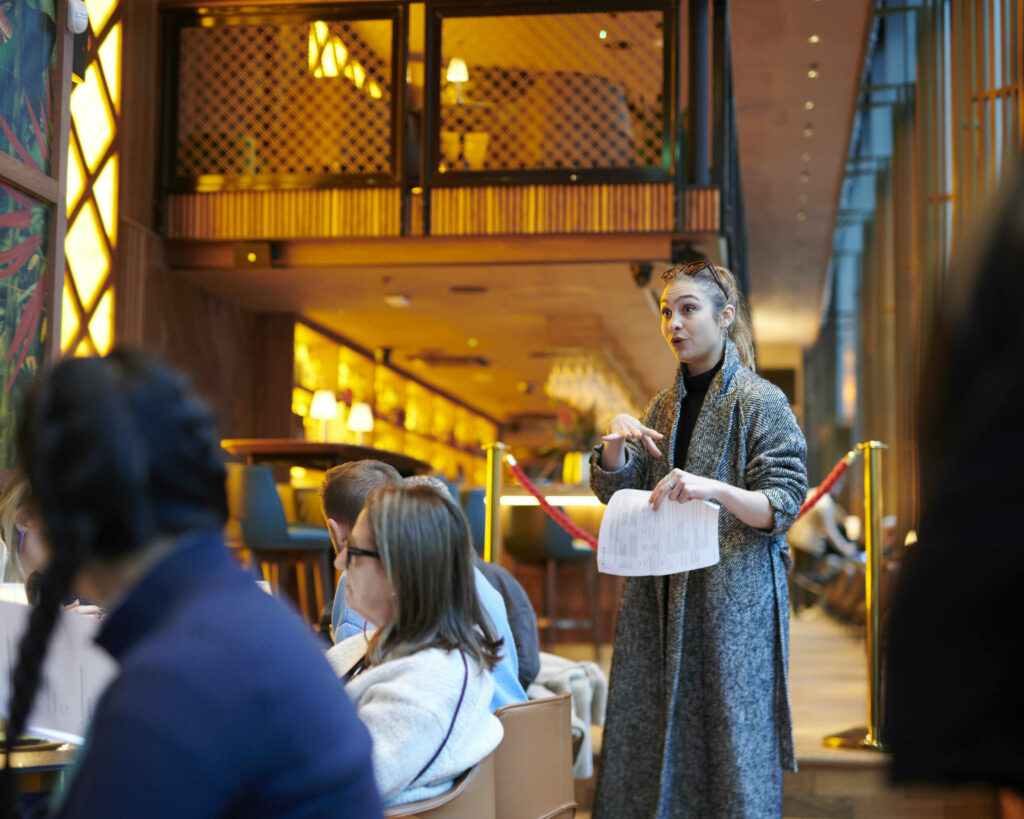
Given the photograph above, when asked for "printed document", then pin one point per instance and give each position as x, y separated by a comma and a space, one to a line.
636, 541
75, 673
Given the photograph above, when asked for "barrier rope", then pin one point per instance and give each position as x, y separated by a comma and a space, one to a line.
556, 514
563, 520
830, 480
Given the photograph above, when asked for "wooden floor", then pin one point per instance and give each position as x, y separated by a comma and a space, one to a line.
829, 694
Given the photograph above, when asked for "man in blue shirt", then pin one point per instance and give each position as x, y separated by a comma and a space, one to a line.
342, 495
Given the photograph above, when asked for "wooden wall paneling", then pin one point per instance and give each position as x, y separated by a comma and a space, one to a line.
273, 364
140, 253
212, 340
140, 95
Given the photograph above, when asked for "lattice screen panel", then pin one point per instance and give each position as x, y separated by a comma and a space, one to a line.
285, 99
553, 91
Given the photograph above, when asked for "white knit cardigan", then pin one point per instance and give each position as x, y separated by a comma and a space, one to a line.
407, 704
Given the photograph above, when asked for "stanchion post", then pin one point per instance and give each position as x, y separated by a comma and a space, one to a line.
872, 597
870, 738
492, 529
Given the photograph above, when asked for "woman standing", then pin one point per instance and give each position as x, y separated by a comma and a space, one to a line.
420, 681
698, 718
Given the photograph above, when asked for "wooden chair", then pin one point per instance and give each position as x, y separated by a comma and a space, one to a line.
471, 797
533, 778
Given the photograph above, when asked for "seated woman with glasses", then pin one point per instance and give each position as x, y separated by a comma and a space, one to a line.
222, 704
698, 720
419, 681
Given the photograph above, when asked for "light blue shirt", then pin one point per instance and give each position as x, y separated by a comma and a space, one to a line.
507, 689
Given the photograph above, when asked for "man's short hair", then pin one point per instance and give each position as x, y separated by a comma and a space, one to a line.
345, 487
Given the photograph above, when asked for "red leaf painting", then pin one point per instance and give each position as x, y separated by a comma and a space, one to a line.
16, 219
17, 256
18, 147
26, 329
43, 147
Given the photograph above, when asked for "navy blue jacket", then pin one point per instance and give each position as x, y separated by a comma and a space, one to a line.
224, 706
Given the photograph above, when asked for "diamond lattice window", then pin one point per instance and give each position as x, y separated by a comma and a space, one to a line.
285, 99
552, 91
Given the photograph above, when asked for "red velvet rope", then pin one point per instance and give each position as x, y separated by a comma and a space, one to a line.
557, 515
829, 482
563, 520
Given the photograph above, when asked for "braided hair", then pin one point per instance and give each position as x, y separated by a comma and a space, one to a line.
118, 452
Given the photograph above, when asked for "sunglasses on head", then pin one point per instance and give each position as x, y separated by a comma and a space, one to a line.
692, 269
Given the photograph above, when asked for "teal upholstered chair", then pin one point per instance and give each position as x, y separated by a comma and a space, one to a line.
476, 513
276, 544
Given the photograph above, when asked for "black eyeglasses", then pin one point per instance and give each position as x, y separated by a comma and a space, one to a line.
351, 551
692, 269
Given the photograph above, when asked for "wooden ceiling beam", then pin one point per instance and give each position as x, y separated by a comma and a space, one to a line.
434, 250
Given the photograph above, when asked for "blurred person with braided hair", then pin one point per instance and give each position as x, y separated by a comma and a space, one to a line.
223, 704
698, 721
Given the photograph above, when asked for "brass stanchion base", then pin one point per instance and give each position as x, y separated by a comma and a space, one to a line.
855, 738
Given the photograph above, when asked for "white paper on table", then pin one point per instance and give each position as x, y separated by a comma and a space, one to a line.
75, 673
636, 541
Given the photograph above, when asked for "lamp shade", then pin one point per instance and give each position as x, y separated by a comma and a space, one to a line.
458, 71
324, 406
360, 417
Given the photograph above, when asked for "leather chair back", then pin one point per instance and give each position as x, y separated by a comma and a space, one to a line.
533, 779
471, 797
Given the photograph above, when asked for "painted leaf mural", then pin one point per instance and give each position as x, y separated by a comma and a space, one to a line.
27, 39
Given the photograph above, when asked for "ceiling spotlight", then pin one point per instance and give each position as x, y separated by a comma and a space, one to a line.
806, 157
603, 34
814, 38
472, 342
800, 216
802, 198
808, 130
813, 71
804, 177
809, 105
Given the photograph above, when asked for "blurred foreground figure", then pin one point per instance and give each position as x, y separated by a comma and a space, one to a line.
224, 704
954, 708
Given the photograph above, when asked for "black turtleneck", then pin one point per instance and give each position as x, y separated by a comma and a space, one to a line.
696, 389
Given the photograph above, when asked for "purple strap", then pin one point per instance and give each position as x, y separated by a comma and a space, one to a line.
458, 705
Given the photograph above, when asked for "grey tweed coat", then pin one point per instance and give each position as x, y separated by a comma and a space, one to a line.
698, 721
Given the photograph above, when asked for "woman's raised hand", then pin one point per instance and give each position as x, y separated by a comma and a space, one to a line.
624, 427
682, 486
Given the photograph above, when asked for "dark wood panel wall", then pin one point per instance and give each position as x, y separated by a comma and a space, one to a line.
239, 361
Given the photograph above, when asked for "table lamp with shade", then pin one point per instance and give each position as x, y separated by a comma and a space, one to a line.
360, 419
458, 73
324, 408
